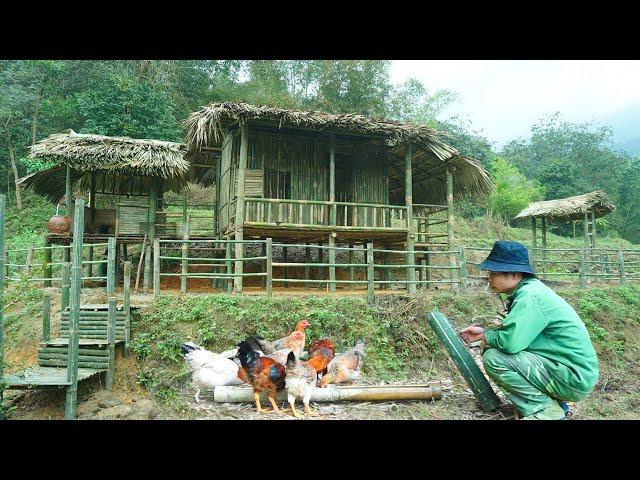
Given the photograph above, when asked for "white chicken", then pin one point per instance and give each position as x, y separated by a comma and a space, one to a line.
209, 369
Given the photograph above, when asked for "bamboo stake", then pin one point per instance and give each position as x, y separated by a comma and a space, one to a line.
142, 250
46, 319
3, 204
156, 267
269, 266
370, 274
111, 328
127, 306
74, 313
66, 286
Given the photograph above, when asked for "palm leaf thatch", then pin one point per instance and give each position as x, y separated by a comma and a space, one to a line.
117, 155
114, 160
205, 128
572, 208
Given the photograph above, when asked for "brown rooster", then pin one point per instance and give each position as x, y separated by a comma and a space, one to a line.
263, 373
320, 354
294, 341
345, 368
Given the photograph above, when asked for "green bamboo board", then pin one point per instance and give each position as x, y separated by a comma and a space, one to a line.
464, 361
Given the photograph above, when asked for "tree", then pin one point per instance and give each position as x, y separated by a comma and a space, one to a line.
513, 191
119, 104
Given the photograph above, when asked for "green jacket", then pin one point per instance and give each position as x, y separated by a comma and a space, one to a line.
541, 322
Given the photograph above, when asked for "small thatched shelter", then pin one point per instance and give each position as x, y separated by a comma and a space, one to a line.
133, 168
586, 207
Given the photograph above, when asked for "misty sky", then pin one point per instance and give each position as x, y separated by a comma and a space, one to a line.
504, 98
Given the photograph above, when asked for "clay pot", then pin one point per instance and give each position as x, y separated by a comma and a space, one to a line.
59, 224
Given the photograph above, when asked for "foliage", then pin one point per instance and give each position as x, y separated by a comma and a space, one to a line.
119, 105
513, 191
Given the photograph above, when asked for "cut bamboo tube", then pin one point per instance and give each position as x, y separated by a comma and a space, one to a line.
354, 393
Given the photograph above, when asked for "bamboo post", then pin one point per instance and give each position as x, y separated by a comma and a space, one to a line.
351, 269
142, 251
146, 281
286, 269
534, 243
111, 315
411, 271
74, 313
48, 272
92, 203
332, 261
370, 274
156, 267
586, 230
450, 219
90, 265
263, 253
242, 167
46, 319
319, 274
332, 179
581, 270
3, 205
229, 266
66, 286
593, 229
269, 265
544, 243
185, 253
28, 261
67, 191
623, 276
463, 271
427, 270
307, 260
127, 306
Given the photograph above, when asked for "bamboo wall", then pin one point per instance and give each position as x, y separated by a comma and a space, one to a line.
362, 178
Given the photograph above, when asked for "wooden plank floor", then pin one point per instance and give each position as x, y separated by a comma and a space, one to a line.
45, 376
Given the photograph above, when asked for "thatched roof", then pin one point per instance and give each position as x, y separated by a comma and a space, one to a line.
572, 208
205, 128
116, 155
112, 159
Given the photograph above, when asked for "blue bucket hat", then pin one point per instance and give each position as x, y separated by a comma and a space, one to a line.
507, 256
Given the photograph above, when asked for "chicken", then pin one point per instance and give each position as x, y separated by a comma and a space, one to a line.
294, 341
208, 369
320, 354
301, 381
263, 373
345, 367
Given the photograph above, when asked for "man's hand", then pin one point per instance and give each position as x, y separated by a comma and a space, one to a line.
472, 333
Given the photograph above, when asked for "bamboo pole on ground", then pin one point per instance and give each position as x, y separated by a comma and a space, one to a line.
74, 312
334, 393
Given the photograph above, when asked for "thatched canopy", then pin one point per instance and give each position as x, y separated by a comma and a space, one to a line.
571, 208
429, 153
114, 160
